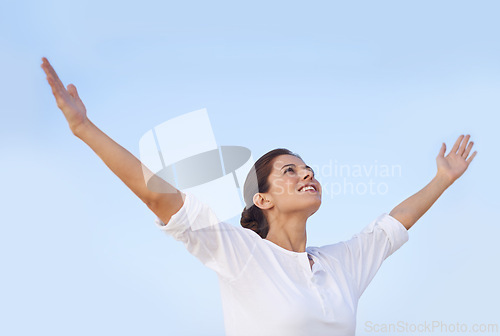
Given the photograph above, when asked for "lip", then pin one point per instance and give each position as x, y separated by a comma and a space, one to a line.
308, 185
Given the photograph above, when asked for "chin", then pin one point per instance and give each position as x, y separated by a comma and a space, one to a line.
315, 206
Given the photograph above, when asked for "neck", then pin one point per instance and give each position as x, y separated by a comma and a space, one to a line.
288, 232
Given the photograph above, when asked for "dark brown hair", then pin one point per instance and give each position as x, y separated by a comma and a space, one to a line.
252, 217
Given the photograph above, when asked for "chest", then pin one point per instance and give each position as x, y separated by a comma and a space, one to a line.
295, 298
293, 281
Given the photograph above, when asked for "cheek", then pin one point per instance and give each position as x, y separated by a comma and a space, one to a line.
284, 187
279, 187
290, 183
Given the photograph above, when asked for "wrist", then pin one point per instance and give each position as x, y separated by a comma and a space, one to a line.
81, 128
443, 179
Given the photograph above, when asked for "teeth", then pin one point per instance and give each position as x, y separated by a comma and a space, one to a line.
307, 188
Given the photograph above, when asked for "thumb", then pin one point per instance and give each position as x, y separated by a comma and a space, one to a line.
72, 91
443, 150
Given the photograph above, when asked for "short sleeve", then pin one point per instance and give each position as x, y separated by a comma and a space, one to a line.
363, 254
220, 246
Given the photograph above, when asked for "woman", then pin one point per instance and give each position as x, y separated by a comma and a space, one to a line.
271, 283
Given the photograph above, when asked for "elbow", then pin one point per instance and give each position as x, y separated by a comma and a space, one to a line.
166, 205
402, 218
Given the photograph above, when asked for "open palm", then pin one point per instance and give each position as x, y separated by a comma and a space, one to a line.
456, 162
67, 98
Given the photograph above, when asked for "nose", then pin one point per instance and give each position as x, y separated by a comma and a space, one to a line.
308, 174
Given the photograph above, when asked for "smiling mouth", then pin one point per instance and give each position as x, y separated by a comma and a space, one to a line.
308, 189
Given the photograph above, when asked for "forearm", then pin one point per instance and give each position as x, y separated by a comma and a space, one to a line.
410, 210
121, 162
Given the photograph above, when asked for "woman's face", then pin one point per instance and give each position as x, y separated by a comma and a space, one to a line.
288, 177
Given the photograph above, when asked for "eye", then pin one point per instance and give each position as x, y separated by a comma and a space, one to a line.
289, 168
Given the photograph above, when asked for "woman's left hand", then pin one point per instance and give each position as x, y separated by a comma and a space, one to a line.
453, 165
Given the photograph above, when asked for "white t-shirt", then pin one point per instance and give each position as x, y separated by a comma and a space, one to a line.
268, 290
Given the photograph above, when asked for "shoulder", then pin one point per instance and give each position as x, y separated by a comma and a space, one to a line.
383, 230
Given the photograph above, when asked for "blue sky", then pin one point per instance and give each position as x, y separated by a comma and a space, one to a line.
365, 83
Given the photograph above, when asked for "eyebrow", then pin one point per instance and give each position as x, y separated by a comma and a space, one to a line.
291, 164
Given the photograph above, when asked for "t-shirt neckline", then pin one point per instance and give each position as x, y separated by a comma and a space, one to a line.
293, 253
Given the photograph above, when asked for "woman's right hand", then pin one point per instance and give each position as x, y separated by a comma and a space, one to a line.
67, 98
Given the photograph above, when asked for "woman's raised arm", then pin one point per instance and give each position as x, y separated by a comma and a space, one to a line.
450, 168
121, 162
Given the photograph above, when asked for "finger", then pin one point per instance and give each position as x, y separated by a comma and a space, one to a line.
60, 97
467, 150
55, 84
457, 143
469, 160
51, 73
464, 143
443, 150
72, 91
55, 90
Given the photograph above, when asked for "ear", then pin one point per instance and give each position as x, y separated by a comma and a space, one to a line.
261, 201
